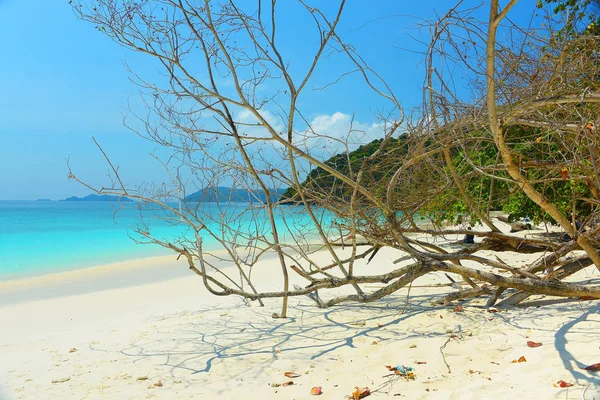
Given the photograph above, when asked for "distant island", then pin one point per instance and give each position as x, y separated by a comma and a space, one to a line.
206, 195
96, 197
222, 194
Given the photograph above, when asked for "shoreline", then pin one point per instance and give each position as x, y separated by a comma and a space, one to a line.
119, 274
51, 277
133, 265
124, 274
104, 277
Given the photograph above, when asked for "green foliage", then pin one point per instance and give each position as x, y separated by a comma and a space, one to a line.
537, 152
583, 16
554, 161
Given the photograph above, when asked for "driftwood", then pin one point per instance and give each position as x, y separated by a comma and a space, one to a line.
314, 296
462, 295
561, 273
499, 245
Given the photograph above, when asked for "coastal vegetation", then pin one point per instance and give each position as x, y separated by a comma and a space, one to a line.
517, 133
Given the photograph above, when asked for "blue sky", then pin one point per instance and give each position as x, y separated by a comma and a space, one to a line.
62, 82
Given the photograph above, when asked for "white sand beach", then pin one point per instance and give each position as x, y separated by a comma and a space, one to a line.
352, 145
159, 334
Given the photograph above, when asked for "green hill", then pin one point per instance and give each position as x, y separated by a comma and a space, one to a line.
224, 194
320, 184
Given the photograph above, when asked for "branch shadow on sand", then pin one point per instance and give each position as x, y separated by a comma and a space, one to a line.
571, 363
246, 343
195, 341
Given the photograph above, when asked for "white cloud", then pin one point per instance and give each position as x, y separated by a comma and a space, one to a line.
330, 134
321, 137
327, 131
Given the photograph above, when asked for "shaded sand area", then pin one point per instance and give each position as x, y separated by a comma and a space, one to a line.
159, 334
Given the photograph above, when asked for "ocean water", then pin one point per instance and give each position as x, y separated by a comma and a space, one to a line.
44, 237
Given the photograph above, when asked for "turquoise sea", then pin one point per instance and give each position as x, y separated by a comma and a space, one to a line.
38, 237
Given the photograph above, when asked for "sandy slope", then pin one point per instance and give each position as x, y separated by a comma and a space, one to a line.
206, 347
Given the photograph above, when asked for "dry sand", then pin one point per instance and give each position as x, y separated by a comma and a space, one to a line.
74, 337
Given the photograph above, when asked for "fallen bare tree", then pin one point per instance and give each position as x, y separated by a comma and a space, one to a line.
524, 138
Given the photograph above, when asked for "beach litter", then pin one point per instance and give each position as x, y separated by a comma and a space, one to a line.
520, 360
291, 374
402, 370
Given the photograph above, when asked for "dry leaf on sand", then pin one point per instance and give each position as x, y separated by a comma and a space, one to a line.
562, 384
533, 344
593, 367
359, 393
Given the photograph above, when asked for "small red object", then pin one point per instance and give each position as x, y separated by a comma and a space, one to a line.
316, 391
563, 384
533, 344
